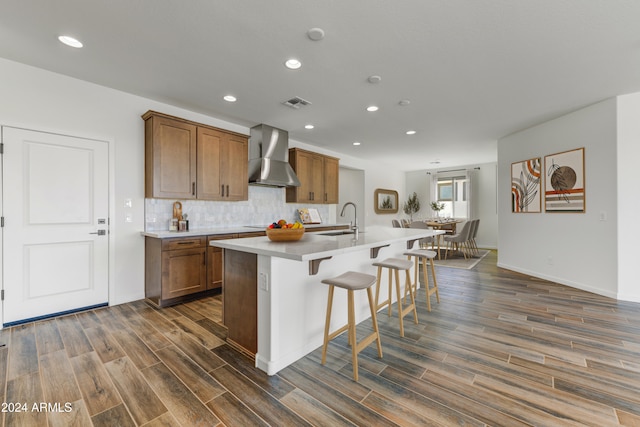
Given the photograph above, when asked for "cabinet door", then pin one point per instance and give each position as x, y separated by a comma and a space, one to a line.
170, 159
331, 173
209, 183
301, 163
214, 261
184, 272
214, 268
308, 168
317, 179
235, 158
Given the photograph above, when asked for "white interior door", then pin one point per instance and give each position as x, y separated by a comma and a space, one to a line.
55, 234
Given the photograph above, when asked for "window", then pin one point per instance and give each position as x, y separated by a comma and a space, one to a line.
453, 193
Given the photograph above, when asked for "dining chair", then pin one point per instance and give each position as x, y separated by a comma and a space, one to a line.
405, 223
424, 242
474, 233
460, 240
470, 246
395, 223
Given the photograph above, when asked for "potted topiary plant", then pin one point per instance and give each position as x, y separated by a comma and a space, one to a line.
411, 206
437, 207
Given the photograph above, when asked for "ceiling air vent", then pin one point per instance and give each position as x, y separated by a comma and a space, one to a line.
296, 102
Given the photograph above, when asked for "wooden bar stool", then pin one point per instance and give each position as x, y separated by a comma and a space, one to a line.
395, 265
424, 256
351, 281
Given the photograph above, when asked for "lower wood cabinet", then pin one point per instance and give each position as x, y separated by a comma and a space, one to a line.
240, 301
182, 268
214, 261
174, 269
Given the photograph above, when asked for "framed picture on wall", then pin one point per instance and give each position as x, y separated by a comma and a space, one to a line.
385, 201
564, 182
526, 186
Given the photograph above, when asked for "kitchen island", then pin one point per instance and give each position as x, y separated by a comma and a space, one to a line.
274, 301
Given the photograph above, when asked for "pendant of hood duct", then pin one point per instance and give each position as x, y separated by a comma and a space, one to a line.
269, 158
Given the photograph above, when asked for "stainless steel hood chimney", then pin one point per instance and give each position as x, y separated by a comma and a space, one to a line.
269, 158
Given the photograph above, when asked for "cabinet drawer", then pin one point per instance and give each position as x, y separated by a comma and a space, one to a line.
252, 234
220, 237
183, 243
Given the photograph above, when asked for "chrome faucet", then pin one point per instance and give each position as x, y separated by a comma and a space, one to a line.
353, 226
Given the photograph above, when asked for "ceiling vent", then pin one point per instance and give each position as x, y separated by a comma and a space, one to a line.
296, 102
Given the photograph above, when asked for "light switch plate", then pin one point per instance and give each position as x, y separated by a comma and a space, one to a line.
128, 203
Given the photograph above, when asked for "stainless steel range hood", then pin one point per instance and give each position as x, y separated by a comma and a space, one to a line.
269, 158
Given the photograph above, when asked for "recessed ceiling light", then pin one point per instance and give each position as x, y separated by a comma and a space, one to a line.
374, 79
356, 143
293, 64
435, 162
230, 98
372, 108
410, 132
70, 41
404, 102
309, 126
315, 34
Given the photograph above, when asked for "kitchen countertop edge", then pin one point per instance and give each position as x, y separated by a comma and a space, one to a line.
165, 234
317, 245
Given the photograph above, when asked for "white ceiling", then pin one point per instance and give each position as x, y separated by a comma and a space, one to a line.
474, 70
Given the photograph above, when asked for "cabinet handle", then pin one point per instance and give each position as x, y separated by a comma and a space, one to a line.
193, 188
227, 191
325, 197
222, 189
204, 258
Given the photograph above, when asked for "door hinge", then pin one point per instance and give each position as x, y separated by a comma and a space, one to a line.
2, 295
1, 147
1, 221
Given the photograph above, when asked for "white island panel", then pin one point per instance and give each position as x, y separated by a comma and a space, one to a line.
292, 301
292, 311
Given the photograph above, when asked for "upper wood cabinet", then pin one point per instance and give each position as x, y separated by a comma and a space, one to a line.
318, 175
331, 183
170, 158
186, 160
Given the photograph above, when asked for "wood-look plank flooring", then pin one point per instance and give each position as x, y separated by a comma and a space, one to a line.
501, 349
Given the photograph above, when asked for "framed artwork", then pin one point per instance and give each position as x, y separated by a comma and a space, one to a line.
564, 185
385, 201
526, 186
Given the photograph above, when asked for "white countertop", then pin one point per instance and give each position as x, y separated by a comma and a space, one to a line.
165, 234
317, 245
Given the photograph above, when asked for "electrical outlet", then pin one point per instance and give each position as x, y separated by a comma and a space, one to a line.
263, 282
128, 203
128, 217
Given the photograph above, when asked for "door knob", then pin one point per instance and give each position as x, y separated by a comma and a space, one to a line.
100, 232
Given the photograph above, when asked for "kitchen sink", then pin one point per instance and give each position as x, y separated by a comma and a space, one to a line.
336, 232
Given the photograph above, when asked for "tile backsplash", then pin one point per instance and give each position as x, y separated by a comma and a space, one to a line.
265, 205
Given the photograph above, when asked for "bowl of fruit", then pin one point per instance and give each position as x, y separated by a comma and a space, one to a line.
282, 231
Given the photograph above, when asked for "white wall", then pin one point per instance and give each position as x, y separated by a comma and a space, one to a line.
40, 100
351, 190
578, 250
45, 101
376, 175
484, 199
628, 199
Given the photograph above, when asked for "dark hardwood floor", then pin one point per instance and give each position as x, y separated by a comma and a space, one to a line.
500, 349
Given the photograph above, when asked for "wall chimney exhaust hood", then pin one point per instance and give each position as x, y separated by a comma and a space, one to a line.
269, 158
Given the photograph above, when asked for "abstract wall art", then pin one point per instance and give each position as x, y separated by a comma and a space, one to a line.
526, 192
565, 182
